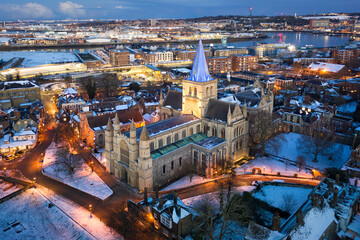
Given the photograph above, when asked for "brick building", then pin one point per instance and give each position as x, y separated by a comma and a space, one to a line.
119, 57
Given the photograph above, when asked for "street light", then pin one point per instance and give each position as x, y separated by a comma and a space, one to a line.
5, 171
90, 209
91, 165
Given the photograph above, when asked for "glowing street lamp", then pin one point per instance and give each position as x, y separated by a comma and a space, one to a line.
5, 171
90, 209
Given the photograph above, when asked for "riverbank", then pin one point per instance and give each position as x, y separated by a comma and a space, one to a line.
101, 45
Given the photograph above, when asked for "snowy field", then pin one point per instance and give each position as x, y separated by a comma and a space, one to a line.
7, 188
291, 149
185, 182
214, 196
35, 58
28, 216
81, 216
270, 165
83, 179
277, 195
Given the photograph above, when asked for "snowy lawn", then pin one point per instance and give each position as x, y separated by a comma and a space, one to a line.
81, 216
28, 216
271, 165
7, 188
83, 179
348, 108
291, 149
214, 196
36, 58
277, 196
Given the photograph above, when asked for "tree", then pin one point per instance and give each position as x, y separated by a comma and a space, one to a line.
68, 160
332, 172
218, 221
318, 137
260, 130
109, 83
288, 202
91, 89
301, 162
134, 86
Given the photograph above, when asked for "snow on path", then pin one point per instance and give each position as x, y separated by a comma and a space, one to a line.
83, 179
274, 196
28, 216
81, 216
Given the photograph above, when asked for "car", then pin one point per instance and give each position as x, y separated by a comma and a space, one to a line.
256, 183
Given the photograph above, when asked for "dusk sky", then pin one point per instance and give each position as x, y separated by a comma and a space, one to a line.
134, 9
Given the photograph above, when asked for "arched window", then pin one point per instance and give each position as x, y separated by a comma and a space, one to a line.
211, 90
161, 143
101, 140
124, 152
191, 131
152, 146
168, 140
189, 91
176, 137
197, 128
223, 134
184, 134
195, 92
214, 132
207, 92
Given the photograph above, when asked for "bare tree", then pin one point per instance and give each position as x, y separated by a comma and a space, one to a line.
301, 162
261, 128
68, 160
318, 137
288, 202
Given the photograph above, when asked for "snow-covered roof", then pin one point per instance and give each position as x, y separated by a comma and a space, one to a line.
70, 91
312, 229
327, 67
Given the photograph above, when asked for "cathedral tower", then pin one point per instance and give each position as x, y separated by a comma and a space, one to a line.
199, 87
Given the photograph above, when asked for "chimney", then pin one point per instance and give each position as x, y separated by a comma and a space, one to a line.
156, 192
276, 222
315, 199
335, 198
300, 218
175, 199
161, 203
145, 196
337, 177
356, 182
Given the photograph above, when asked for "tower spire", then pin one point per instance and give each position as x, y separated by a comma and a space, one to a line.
144, 136
109, 126
200, 71
116, 123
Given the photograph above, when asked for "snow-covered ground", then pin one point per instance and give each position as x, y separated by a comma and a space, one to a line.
271, 165
83, 179
291, 149
35, 58
100, 156
81, 216
277, 195
28, 216
347, 107
185, 182
7, 188
214, 196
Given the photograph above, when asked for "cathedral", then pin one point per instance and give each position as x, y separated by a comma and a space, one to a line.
197, 133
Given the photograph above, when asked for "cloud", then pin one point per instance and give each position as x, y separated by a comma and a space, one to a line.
28, 10
72, 9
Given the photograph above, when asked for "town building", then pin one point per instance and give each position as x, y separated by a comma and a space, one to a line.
119, 57
208, 136
242, 62
219, 64
227, 52
319, 23
17, 92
